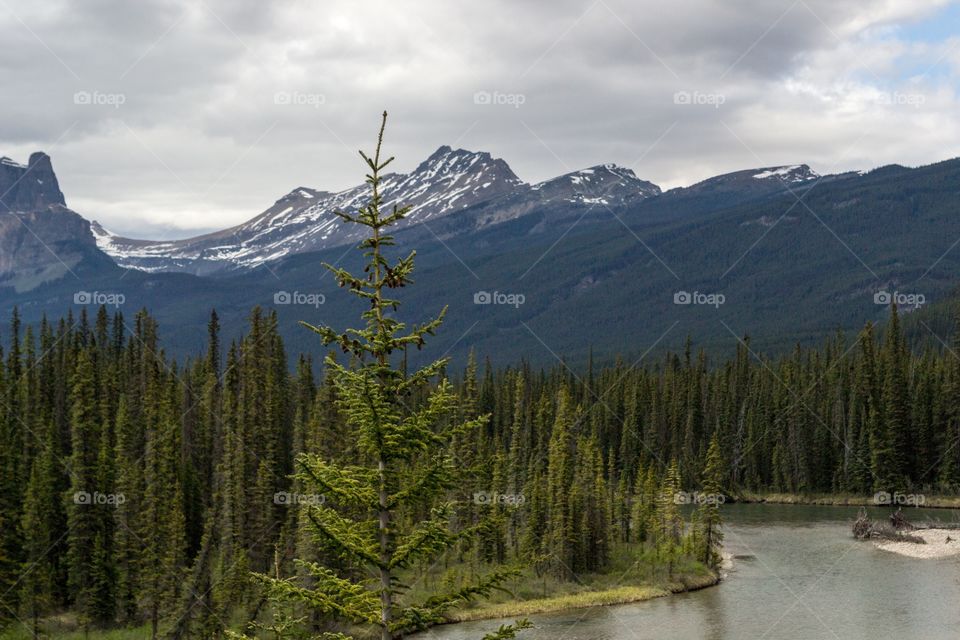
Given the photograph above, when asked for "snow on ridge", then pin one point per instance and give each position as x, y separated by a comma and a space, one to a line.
793, 172
12, 163
446, 182
103, 238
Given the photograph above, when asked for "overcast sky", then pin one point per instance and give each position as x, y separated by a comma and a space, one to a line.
168, 118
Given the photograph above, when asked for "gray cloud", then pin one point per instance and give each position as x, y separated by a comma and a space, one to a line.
224, 106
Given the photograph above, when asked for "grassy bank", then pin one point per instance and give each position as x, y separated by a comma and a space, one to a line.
585, 598
634, 574
841, 500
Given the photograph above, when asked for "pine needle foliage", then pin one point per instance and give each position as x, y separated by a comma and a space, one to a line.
388, 511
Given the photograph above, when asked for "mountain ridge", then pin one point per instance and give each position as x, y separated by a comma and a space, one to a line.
447, 182
600, 276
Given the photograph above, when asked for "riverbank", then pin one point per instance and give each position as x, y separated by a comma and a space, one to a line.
840, 500
892, 596
937, 543
584, 599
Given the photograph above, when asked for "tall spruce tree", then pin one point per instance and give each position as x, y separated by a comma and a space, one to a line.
389, 510
709, 516
83, 507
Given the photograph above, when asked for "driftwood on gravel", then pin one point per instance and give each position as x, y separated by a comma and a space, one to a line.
899, 521
866, 529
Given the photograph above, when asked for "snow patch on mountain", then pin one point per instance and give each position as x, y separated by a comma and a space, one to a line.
305, 219
11, 163
788, 173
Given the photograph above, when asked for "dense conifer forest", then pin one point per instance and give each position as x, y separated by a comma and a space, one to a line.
136, 489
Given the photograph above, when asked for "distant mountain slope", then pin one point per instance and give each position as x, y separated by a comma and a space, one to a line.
304, 219
456, 191
592, 259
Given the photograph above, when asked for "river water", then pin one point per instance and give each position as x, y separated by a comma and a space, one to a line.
797, 574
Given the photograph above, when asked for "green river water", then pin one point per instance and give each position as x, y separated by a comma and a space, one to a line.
798, 574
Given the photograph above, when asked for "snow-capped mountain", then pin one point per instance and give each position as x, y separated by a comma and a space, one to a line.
452, 193
606, 184
304, 220
761, 180
449, 182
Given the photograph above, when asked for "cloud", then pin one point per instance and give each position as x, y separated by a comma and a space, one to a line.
202, 113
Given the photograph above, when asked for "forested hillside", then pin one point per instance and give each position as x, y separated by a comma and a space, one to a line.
133, 485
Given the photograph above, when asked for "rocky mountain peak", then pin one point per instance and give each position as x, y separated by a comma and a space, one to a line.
603, 184
30, 187
448, 167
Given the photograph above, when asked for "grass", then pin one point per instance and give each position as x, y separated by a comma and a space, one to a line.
619, 595
65, 628
634, 575
842, 499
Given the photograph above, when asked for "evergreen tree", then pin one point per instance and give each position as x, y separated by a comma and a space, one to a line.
39, 571
85, 505
372, 515
709, 517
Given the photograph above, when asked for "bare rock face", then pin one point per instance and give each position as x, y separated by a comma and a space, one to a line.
30, 187
42, 246
41, 240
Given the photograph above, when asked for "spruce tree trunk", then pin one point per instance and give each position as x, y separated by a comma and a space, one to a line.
386, 600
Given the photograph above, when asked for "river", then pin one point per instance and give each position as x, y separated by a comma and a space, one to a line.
797, 574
